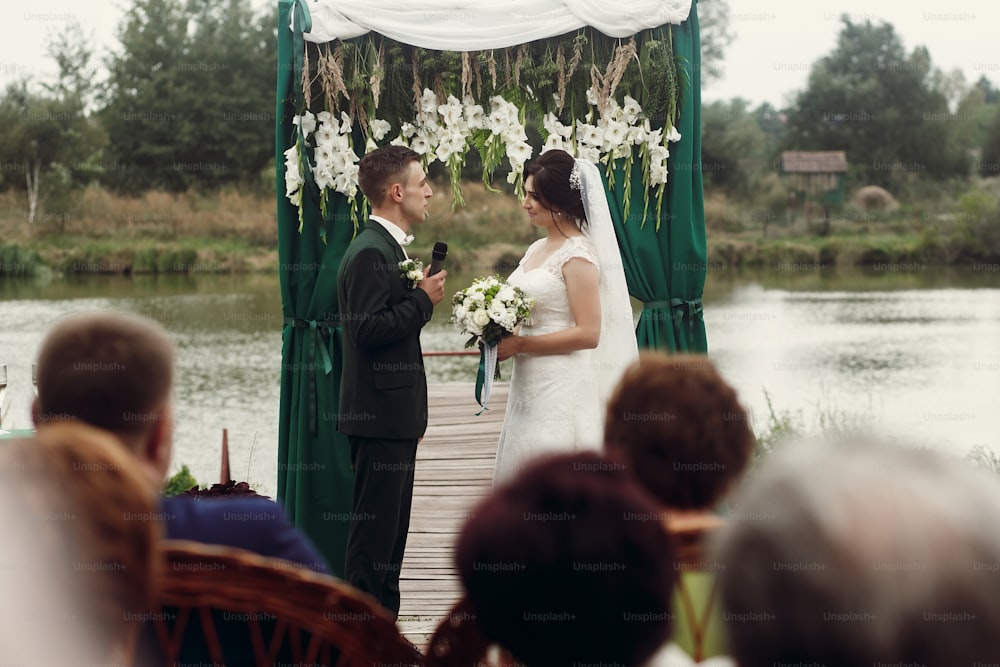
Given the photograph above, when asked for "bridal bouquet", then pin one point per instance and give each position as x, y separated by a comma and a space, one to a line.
487, 310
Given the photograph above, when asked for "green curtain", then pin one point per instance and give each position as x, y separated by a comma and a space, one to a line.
666, 269
314, 461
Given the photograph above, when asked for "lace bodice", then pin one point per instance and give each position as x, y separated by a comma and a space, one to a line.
546, 285
553, 401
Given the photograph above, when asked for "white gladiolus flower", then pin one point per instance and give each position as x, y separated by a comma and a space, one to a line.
636, 135
307, 122
673, 135
613, 112
379, 128
518, 153
591, 135
324, 117
451, 112
496, 122
515, 134
588, 153
592, 96
398, 141
370, 145
475, 116
428, 102
341, 143
345, 123
621, 151
407, 130
631, 109
325, 134
657, 174
443, 151
296, 198
552, 125
323, 177
555, 142
658, 153
615, 135
420, 144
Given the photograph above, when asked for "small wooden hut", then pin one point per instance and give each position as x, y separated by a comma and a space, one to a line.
815, 176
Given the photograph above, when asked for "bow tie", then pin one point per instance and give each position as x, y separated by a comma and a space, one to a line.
407, 240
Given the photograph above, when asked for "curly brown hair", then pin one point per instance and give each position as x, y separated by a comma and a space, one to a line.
681, 428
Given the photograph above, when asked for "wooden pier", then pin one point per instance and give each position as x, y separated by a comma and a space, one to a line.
454, 472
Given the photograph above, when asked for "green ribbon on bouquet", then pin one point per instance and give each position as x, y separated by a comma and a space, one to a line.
489, 370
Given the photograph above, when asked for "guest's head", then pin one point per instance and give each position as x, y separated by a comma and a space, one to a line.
79, 547
681, 429
550, 185
863, 554
395, 184
568, 564
114, 371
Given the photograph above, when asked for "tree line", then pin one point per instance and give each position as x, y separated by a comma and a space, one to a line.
901, 121
187, 101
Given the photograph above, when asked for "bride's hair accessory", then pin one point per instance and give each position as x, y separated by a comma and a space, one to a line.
574, 176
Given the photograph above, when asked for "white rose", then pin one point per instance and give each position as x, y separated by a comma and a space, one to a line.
506, 293
481, 318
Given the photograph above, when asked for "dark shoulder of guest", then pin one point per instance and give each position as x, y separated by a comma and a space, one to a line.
254, 524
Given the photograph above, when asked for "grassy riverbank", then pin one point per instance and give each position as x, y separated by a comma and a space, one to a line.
233, 231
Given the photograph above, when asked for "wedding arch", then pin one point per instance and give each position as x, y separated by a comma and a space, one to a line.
618, 83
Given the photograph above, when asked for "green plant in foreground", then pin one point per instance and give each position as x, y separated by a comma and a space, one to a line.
179, 482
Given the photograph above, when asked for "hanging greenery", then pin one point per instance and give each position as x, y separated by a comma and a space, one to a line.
598, 97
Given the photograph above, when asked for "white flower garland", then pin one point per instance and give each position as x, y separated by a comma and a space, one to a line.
446, 132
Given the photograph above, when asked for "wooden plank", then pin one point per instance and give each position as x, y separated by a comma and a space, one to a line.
454, 473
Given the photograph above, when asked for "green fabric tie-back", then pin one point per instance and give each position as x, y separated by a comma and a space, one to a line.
316, 333
695, 315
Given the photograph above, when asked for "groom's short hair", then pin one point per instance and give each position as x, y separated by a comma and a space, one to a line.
384, 166
108, 369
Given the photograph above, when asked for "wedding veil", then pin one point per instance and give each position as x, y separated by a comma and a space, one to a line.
617, 348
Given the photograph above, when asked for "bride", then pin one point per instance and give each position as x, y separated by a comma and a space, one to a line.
580, 337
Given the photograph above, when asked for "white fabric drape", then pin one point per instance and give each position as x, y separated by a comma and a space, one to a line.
472, 25
617, 348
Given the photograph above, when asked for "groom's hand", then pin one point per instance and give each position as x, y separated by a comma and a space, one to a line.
433, 285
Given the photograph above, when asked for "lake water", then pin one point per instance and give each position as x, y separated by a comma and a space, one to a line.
914, 353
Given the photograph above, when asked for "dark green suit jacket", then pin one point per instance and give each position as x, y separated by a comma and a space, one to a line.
383, 390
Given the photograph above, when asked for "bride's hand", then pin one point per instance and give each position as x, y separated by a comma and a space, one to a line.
508, 347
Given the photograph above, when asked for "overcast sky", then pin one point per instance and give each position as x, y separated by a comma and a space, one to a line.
776, 40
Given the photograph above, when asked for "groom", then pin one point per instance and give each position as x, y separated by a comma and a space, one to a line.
383, 392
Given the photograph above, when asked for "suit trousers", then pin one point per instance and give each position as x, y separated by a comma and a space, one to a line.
383, 493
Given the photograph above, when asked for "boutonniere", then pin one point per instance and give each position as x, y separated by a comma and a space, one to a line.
412, 271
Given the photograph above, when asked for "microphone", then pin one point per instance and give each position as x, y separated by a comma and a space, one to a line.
437, 257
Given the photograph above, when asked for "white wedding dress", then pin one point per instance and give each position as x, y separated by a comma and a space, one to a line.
553, 404
556, 402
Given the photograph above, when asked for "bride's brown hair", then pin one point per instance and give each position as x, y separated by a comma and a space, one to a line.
550, 172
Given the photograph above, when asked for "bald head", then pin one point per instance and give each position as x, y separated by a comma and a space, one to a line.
109, 369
